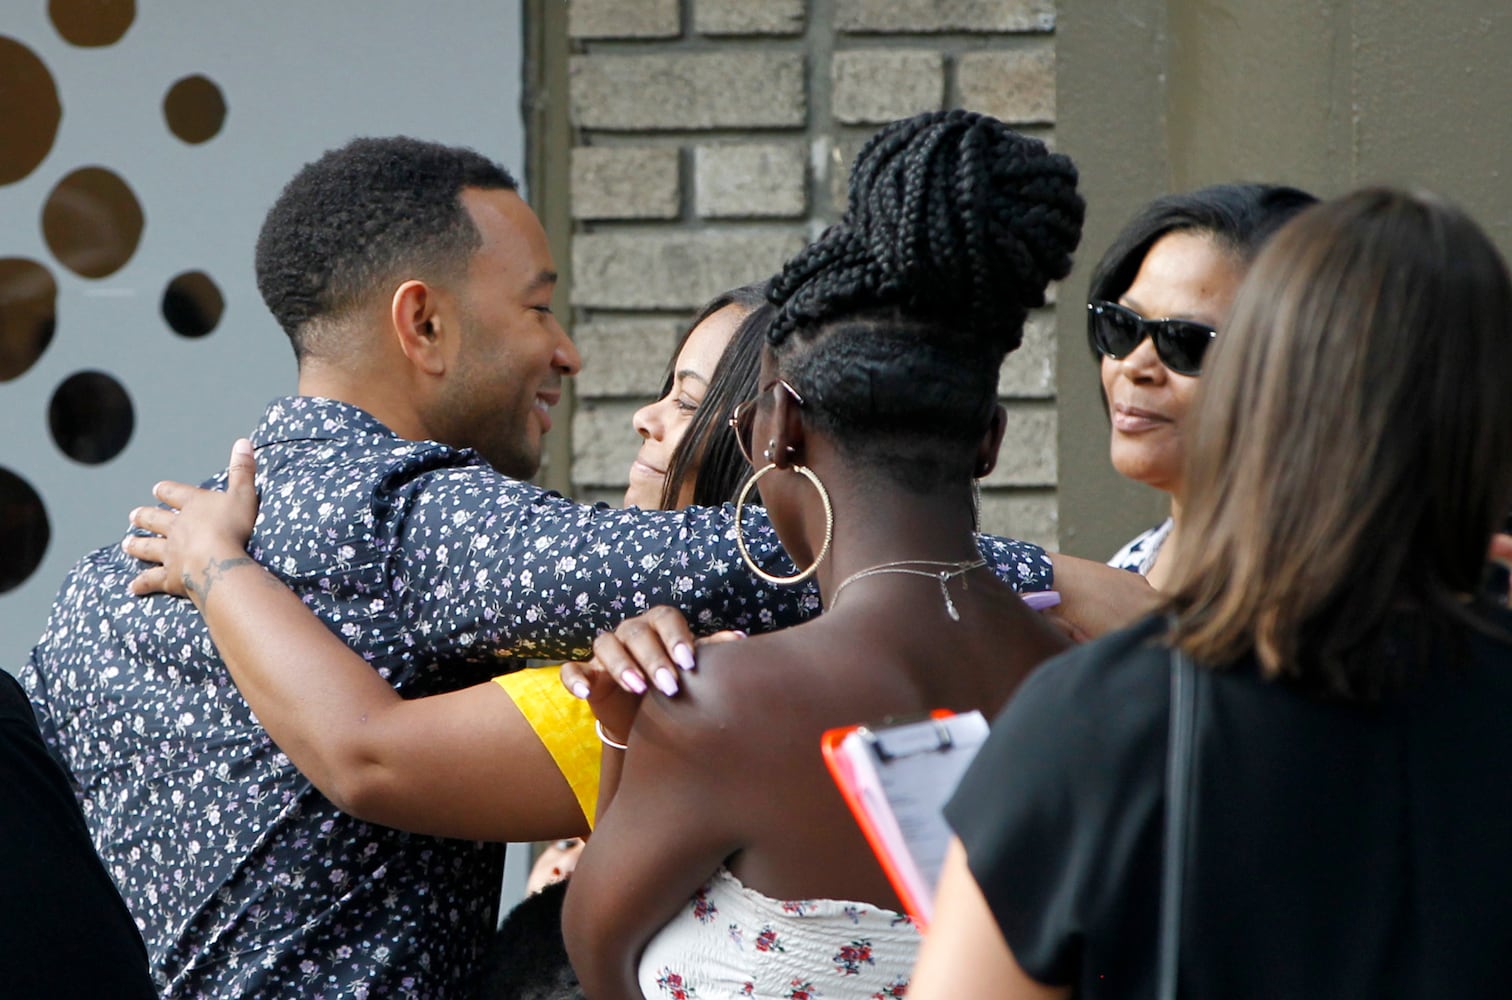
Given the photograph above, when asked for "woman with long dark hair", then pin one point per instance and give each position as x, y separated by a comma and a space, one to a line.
687, 455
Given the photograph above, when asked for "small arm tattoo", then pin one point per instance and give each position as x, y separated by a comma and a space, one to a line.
214, 570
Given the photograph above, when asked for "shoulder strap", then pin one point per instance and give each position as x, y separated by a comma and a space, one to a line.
1179, 754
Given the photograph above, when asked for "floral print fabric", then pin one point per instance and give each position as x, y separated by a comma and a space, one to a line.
1138, 554
244, 879
731, 941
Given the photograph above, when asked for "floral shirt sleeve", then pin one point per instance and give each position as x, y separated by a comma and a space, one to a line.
540, 575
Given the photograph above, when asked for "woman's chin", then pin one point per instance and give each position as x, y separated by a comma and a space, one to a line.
639, 496
1153, 470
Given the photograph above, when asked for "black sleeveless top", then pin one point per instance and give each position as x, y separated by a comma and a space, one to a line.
1335, 850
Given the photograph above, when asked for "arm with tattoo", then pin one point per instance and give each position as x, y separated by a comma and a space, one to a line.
462, 764
214, 570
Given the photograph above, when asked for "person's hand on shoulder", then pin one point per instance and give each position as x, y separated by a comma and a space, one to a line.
200, 534
643, 652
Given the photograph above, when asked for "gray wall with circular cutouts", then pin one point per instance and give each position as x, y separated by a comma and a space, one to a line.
140, 145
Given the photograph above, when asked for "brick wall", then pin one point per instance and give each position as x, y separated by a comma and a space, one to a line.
711, 138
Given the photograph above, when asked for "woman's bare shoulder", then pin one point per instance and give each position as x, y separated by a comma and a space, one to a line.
728, 697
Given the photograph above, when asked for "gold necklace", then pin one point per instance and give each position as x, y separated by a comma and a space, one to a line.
943, 572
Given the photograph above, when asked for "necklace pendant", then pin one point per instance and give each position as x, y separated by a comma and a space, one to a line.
950, 607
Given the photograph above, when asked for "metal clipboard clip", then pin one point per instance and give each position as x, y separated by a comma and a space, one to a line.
904, 736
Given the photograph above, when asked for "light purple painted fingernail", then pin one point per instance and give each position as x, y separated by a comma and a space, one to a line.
682, 655
634, 681
580, 689
1039, 600
666, 681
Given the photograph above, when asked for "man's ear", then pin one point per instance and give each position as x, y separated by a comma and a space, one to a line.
415, 317
987, 450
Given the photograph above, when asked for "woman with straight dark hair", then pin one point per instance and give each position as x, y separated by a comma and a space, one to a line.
687, 454
1158, 298
1321, 807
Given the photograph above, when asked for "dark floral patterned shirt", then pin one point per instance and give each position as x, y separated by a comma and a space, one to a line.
244, 879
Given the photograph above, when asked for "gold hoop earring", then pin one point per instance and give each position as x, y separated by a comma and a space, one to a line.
829, 525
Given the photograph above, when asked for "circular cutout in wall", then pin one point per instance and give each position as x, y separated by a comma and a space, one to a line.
92, 23
29, 110
92, 222
195, 109
192, 304
28, 314
24, 531
91, 417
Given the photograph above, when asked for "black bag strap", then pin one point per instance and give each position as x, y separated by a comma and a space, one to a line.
1179, 755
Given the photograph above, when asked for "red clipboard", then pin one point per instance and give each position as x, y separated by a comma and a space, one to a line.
896, 777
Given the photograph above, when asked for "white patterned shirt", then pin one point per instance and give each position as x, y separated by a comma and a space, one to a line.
1138, 555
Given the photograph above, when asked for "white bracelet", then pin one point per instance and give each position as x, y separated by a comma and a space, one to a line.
598, 727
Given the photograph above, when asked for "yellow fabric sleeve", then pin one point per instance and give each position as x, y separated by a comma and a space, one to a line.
565, 726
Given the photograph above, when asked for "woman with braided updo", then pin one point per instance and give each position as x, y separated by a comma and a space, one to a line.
727, 864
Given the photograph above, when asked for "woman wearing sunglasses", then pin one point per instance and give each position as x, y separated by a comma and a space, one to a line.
1158, 298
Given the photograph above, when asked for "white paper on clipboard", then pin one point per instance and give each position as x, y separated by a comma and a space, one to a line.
897, 778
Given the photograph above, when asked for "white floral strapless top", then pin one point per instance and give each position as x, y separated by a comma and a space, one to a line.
731, 941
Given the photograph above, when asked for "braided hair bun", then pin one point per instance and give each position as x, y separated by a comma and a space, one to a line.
895, 322
953, 217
